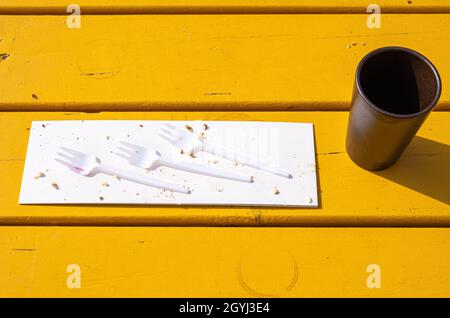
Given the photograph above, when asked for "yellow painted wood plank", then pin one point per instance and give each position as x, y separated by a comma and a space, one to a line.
222, 6
209, 62
223, 262
415, 192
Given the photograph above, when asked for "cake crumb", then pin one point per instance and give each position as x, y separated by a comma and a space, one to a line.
55, 185
105, 184
189, 128
4, 56
101, 198
219, 189
276, 191
205, 127
39, 175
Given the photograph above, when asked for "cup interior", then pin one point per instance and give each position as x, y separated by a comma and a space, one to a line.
399, 81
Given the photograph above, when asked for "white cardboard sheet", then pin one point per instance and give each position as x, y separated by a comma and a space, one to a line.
287, 145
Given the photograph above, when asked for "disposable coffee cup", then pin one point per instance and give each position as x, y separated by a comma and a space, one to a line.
394, 92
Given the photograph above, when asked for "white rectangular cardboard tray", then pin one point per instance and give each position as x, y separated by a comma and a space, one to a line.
287, 145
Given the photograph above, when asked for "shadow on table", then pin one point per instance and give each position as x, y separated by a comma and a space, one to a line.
424, 167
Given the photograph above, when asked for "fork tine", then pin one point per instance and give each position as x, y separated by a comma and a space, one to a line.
65, 156
71, 151
167, 138
170, 126
127, 150
121, 155
130, 145
63, 162
173, 127
168, 131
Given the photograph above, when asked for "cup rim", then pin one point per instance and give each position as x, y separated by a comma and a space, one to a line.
409, 51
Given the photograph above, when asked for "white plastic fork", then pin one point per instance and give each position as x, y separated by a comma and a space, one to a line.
151, 159
189, 142
89, 165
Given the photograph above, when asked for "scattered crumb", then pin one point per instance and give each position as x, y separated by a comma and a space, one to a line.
354, 43
118, 178
4, 56
181, 151
34, 96
39, 175
349, 46
201, 135
189, 128
276, 191
142, 126
219, 189
235, 163
252, 179
215, 161
205, 127
101, 198
137, 193
105, 184
192, 155
310, 200
43, 126
107, 137
55, 185
364, 44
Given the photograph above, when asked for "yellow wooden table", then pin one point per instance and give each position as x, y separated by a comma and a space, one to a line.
374, 234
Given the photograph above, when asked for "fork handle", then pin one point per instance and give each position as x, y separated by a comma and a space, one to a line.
141, 179
245, 160
205, 170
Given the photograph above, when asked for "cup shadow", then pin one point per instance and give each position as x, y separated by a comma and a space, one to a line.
424, 167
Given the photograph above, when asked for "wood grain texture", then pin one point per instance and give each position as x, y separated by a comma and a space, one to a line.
222, 6
201, 62
223, 262
415, 192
